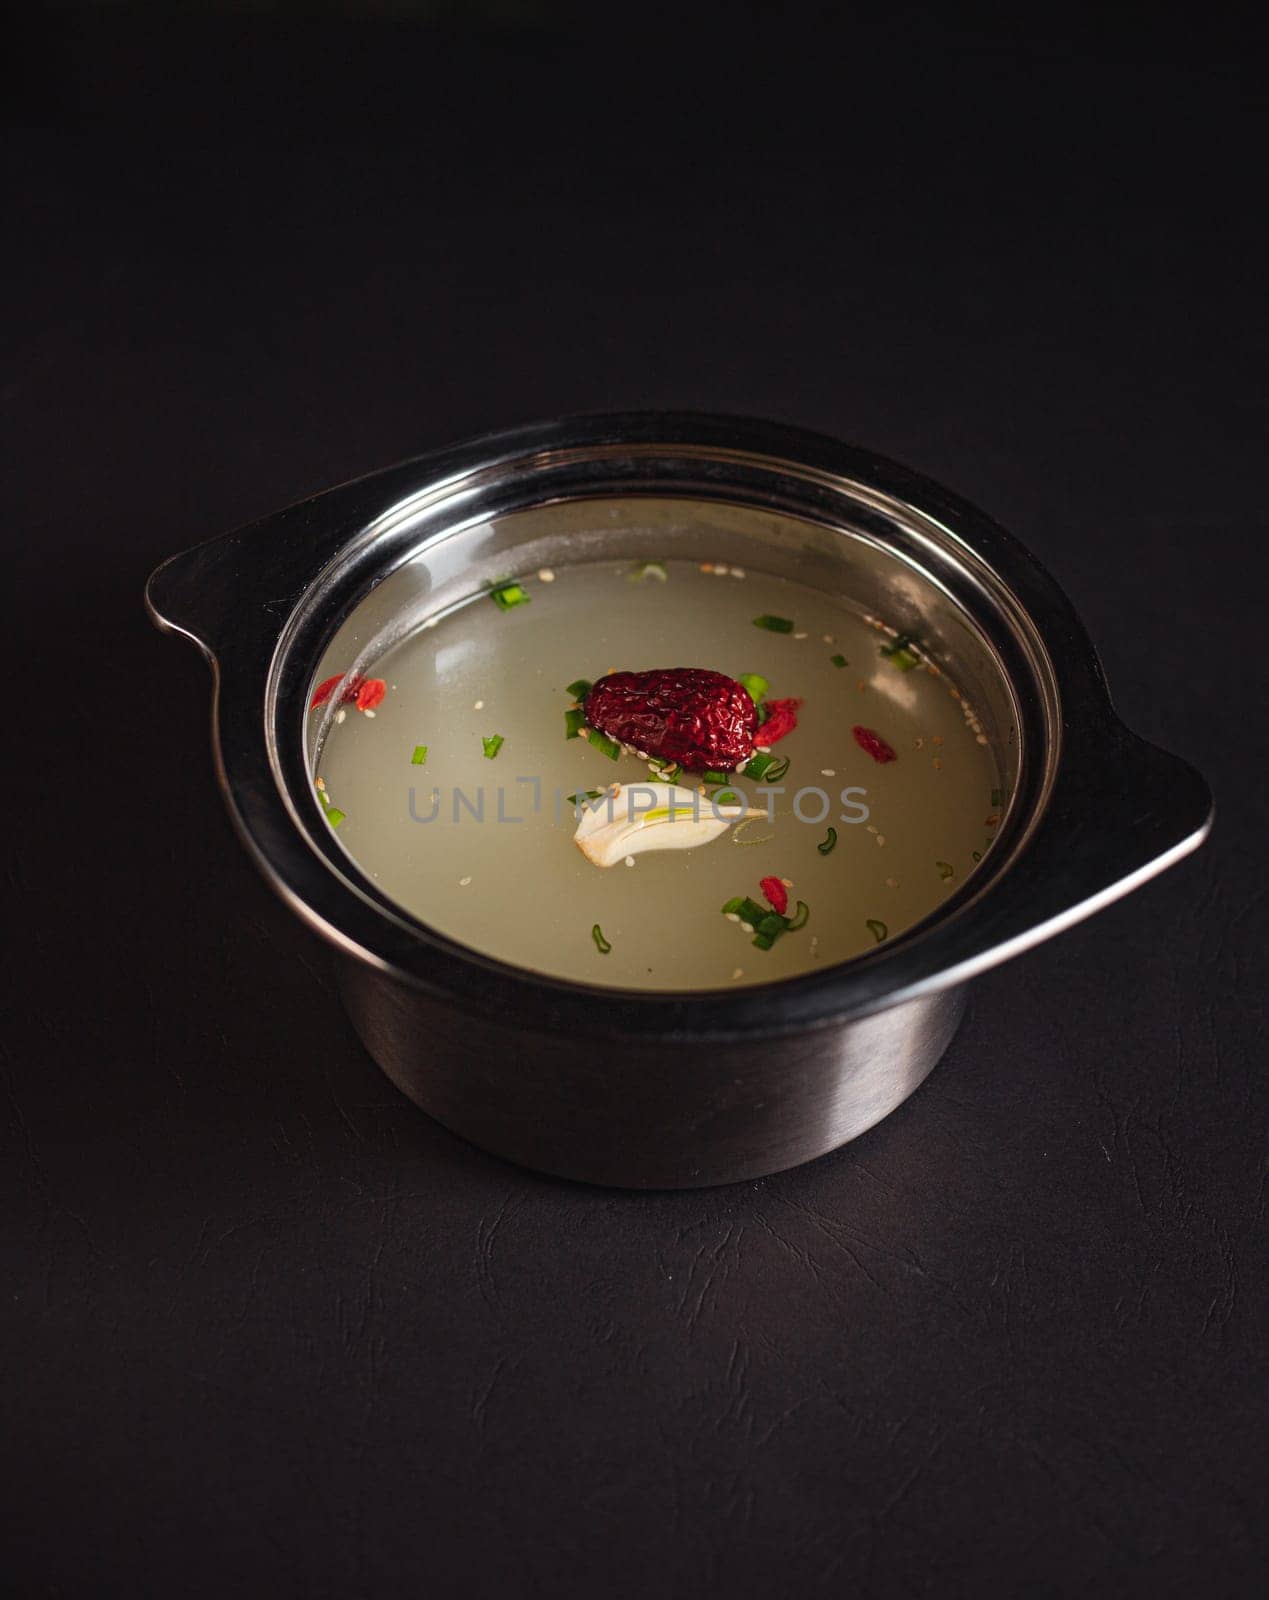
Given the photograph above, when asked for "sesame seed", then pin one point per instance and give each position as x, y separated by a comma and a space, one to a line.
479, 706
733, 916
720, 571
737, 572
546, 575
881, 838
920, 744
980, 738
872, 828
340, 714
369, 713
463, 882
321, 783
746, 927
630, 861
799, 635
828, 772
739, 973
827, 637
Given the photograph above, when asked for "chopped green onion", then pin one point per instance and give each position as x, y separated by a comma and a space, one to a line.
773, 624
492, 745
747, 910
574, 722
903, 653
601, 944
506, 596
647, 569
583, 795
976, 854
727, 797
579, 689
997, 797
765, 765
946, 869
765, 924
754, 685
606, 746
878, 930
334, 816
839, 661
324, 798
419, 756
827, 843
712, 776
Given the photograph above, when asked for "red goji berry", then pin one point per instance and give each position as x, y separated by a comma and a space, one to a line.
782, 718
873, 744
776, 893
370, 693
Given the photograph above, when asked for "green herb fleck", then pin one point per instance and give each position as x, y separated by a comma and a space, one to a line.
334, 816
754, 685
647, 569
765, 765
507, 596
579, 689
601, 944
765, 924
828, 843
946, 870
839, 661
492, 745
574, 722
419, 757
773, 624
711, 776
904, 653
583, 795
878, 930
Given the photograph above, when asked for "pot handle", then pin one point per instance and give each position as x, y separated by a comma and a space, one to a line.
1121, 811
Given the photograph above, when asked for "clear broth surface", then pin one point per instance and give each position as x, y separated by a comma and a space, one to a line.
514, 886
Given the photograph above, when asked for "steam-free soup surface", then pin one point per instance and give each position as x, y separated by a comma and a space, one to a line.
512, 884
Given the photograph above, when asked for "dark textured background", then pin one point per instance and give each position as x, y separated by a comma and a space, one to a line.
266, 1329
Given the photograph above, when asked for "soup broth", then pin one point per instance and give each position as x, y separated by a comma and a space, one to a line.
453, 792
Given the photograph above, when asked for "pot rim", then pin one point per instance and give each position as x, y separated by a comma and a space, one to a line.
1097, 810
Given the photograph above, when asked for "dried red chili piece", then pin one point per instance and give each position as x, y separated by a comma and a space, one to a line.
703, 720
370, 693
777, 895
782, 718
874, 744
